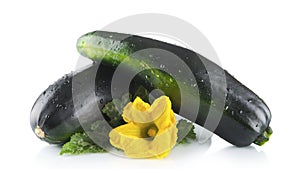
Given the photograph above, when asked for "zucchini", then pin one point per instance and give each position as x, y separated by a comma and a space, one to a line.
245, 117
54, 118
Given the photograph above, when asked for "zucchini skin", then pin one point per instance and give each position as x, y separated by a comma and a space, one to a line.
53, 117
245, 118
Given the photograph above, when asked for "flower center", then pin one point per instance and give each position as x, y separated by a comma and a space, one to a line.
152, 131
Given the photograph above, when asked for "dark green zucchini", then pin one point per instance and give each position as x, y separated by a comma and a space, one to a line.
53, 116
245, 118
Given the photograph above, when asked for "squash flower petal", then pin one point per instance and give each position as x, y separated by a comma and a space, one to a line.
150, 131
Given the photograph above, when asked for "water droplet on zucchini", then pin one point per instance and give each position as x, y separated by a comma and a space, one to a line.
162, 66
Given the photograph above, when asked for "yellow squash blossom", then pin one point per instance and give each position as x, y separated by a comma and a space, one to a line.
150, 131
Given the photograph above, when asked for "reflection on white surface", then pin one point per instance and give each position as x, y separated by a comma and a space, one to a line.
49, 157
241, 157
244, 154
190, 156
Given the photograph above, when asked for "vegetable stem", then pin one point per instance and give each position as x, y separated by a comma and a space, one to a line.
264, 137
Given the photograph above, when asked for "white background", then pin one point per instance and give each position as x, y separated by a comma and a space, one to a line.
257, 41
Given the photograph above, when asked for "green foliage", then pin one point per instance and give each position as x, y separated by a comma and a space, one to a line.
185, 131
80, 143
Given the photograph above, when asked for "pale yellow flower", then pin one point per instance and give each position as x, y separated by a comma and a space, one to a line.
150, 131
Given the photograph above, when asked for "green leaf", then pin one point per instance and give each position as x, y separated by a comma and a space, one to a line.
80, 143
143, 93
185, 131
113, 110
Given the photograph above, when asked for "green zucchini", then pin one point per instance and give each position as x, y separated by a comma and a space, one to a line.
54, 117
245, 117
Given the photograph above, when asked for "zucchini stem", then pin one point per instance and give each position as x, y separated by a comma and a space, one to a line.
264, 137
39, 132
